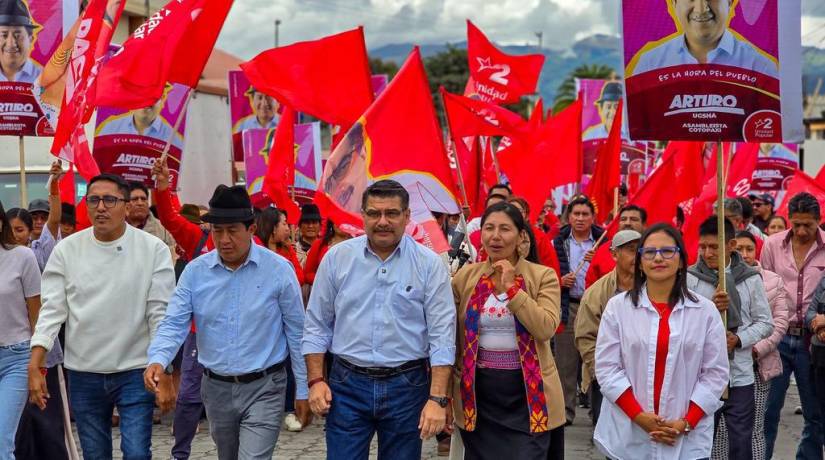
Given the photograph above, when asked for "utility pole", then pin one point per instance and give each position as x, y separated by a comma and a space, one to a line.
277, 25
540, 36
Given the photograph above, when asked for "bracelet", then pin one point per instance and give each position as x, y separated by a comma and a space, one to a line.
512, 292
43, 371
314, 381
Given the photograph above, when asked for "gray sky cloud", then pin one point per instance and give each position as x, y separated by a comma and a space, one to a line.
250, 27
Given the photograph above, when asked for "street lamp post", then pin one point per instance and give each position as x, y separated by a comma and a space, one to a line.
277, 25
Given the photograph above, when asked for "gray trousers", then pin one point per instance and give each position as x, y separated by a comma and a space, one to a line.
568, 360
245, 418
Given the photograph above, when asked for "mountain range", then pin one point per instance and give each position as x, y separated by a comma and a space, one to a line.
595, 49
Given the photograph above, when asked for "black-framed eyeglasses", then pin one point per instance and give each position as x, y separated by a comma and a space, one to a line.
667, 252
390, 214
109, 201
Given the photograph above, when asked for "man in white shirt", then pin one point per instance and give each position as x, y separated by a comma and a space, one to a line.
16, 37
110, 284
706, 40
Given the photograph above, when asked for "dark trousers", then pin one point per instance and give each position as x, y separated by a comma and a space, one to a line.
595, 401
290, 386
40, 434
363, 405
818, 374
189, 407
738, 411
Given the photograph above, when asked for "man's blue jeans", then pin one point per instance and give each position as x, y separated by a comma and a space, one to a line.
363, 405
797, 359
92, 398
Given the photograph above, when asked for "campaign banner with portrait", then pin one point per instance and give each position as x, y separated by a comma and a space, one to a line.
248, 109
775, 167
379, 83
257, 144
725, 70
127, 142
600, 100
30, 31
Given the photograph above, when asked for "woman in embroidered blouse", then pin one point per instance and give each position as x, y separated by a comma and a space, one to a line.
659, 336
507, 397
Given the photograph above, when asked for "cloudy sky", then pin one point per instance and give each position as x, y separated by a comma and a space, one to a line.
250, 27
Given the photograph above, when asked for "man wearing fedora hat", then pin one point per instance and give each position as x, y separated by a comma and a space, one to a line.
309, 228
246, 305
607, 104
16, 37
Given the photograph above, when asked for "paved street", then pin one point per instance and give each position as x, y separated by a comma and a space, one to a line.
309, 444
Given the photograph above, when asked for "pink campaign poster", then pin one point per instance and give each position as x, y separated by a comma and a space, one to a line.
127, 142
600, 102
34, 31
775, 167
248, 109
730, 71
256, 146
379, 83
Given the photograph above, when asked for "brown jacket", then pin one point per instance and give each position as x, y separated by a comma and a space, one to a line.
591, 308
538, 309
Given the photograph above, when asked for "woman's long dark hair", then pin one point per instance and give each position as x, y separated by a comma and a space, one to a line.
329, 233
268, 221
23, 215
518, 220
680, 290
7, 240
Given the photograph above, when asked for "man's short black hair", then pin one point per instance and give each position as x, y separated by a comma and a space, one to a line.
747, 207
633, 207
622, 189
493, 195
804, 203
710, 227
121, 183
581, 200
386, 188
135, 185
504, 186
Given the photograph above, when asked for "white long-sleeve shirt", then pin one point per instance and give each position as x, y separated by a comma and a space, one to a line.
111, 295
696, 369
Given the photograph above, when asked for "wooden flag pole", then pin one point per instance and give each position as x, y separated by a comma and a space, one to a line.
178, 121
495, 159
24, 195
720, 216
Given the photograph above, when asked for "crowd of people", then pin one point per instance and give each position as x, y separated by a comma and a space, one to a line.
229, 313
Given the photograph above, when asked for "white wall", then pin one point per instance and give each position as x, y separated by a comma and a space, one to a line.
814, 156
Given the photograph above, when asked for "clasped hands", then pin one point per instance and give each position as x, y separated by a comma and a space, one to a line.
661, 430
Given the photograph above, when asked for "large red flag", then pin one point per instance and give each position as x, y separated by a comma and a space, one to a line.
280, 170
471, 117
820, 176
468, 160
801, 182
606, 179
327, 78
67, 186
556, 153
171, 46
397, 138
498, 77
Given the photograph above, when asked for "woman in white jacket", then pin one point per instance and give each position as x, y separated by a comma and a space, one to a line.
661, 360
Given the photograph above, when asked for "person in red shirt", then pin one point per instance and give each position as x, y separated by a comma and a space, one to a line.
631, 217
273, 231
544, 246
332, 236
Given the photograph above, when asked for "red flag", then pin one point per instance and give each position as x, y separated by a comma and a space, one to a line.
498, 77
537, 116
470, 117
801, 182
327, 78
489, 173
820, 177
82, 216
280, 171
67, 187
397, 138
63, 89
607, 177
557, 154
468, 159
171, 46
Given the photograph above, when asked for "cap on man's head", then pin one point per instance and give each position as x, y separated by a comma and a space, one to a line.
623, 237
38, 206
309, 213
611, 92
766, 197
229, 205
15, 13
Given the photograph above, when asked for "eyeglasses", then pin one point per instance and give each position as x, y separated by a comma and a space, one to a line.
667, 252
109, 201
390, 214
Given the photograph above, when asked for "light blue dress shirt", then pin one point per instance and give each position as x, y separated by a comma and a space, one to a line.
578, 249
247, 319
376, 313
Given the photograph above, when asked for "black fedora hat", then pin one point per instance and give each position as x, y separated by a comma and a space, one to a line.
309, 213
611, 92
15, 13
229, 205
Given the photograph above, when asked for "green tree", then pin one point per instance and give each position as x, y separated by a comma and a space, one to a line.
566, 93
379, 66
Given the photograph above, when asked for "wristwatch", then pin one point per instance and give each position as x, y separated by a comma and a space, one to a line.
441, 400
688, 428
169, 369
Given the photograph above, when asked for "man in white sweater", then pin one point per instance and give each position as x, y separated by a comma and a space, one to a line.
110, 285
